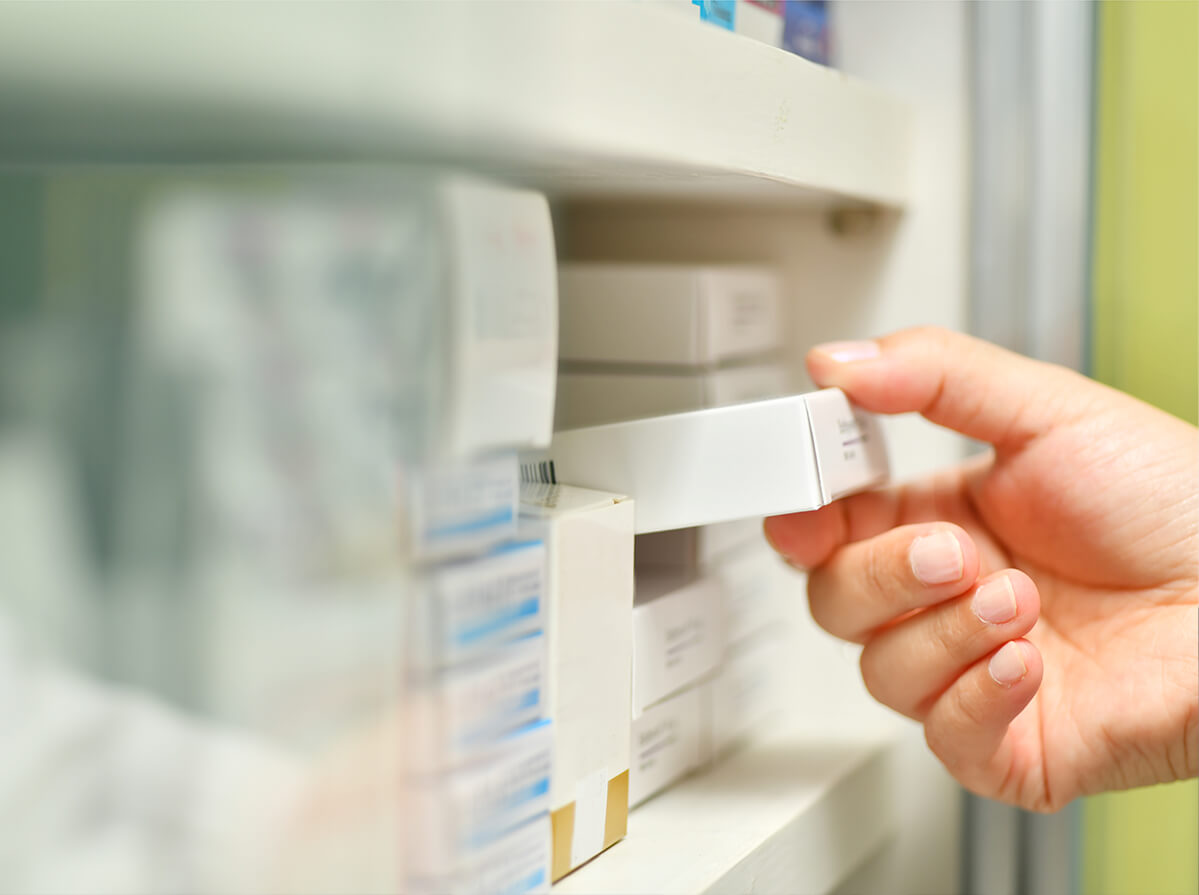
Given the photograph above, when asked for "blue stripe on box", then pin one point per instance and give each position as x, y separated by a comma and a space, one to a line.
532, 791
528, 884
491, 520
511, 546
470, 635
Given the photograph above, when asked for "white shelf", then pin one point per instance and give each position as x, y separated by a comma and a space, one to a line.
789, 815
579, 98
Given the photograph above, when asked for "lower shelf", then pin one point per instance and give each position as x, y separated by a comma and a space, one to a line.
790, 814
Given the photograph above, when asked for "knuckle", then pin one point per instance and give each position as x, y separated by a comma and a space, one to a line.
938, 741
946, 631
871, 676
819, 598
968, 703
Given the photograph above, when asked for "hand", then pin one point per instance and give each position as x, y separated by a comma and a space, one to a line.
1036, 609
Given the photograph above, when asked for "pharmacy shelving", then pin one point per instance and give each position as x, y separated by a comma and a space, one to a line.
786, 814
579, 99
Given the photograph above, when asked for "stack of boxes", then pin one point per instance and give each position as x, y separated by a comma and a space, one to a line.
643, 340
303, 360
480, 736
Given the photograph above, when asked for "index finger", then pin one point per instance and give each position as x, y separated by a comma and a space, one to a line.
956, 381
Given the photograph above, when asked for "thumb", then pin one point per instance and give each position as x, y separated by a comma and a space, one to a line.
954, 380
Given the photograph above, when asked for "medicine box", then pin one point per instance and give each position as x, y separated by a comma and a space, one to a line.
588, 538
456, 815
748, 691
517, 863
503, 315
752, 588
609, 396
667, 315
456, 508
669, 742
782, 455
678, 635
436, 290
458, 714
464, 609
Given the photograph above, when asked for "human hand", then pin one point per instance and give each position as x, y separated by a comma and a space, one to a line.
1037, 608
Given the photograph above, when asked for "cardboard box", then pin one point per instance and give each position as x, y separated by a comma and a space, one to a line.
678, 636
589, 547
460, 508
751, 586
693, 550
456, 815
778, 456
517, 863
761, 20
748, 691
503, 304
667, 314
465, 609
593, 398
437, 290
458, 714
669, 742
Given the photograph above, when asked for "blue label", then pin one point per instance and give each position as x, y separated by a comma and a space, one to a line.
528, 884
719, 12
502, 516
505, 619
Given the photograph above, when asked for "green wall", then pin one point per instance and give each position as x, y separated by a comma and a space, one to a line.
1145, 329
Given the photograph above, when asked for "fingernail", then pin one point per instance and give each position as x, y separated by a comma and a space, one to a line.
1007, 666
845, 352
936, 558
995, 602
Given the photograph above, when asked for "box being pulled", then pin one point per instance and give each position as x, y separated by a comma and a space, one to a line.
783, 455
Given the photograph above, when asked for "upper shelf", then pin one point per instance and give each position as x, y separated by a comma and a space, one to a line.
579, 99
785, 815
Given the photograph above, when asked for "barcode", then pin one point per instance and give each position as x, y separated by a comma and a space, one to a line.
539, 473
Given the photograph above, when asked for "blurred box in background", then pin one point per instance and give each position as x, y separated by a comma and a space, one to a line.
670, 740
665, 315
678, 635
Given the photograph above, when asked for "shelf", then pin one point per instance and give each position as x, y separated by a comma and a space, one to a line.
579, 99
790, 815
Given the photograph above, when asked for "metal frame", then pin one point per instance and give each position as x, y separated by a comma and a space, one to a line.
1030, 235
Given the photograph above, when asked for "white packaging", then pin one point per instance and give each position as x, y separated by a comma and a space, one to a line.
668, 743
759, 23
459, 713
593, 398
678, 636
695, 549
748, 692
504, 316
517, 863
467, 608
784, 455
438, 290
751, 588
454, 817
667, 314
463, 507
589, 545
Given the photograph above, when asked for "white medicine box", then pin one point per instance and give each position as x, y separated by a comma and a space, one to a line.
588, 537
667, 314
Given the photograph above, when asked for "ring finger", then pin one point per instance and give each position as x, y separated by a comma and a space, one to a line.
907, 666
